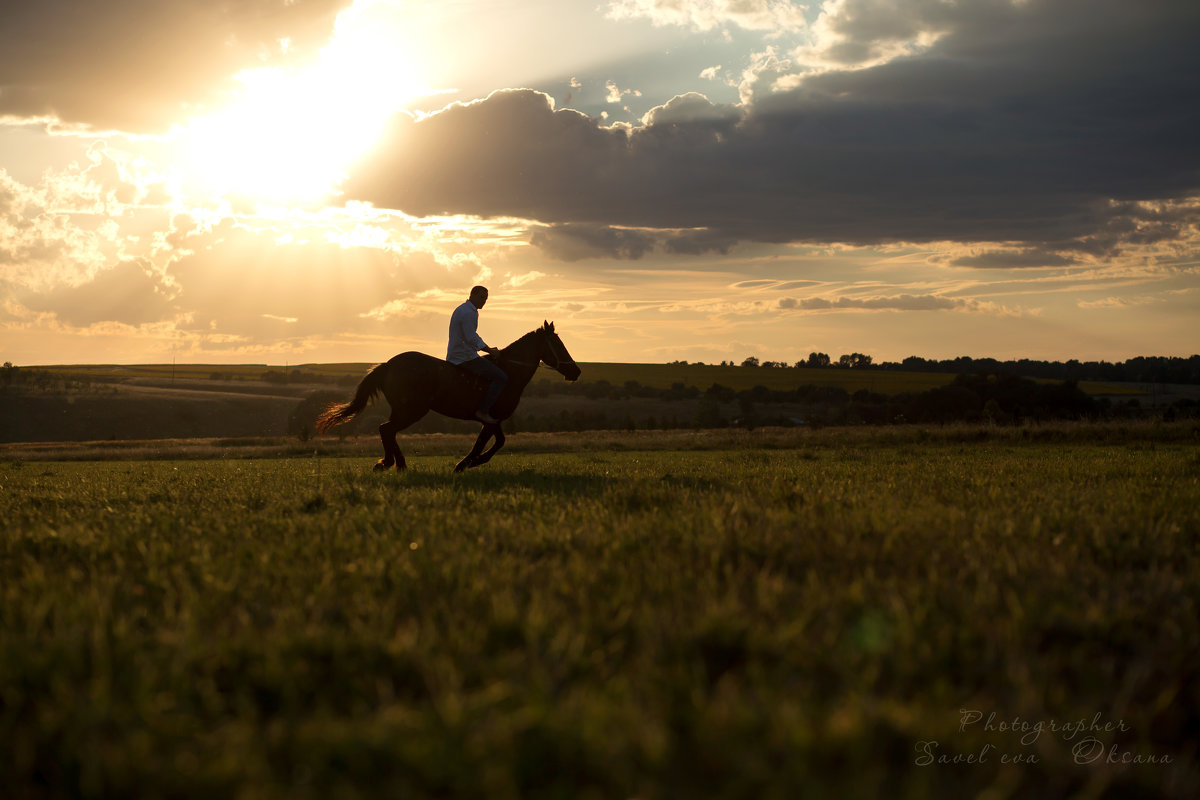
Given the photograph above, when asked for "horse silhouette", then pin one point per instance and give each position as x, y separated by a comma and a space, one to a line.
415, 384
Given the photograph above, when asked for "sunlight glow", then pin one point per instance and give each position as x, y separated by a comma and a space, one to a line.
290, 133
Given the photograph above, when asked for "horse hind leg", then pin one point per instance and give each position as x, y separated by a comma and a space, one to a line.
399, 420
387, 434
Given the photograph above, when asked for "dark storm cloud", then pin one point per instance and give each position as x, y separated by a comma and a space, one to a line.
1038, 123
1016, 259
577, 241
139, 65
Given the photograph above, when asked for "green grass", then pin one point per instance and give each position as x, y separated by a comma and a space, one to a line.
736, 622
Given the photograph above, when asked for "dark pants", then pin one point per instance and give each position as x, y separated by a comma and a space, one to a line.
488, 371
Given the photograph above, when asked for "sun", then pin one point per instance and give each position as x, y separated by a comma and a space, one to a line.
288, 135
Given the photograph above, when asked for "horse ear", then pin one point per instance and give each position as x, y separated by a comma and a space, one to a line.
550, 327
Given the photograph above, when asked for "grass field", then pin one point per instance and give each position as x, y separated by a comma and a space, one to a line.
805, 615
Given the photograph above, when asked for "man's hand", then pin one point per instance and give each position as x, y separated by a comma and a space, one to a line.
493, 350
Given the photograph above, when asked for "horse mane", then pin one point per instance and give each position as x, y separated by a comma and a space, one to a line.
547, 327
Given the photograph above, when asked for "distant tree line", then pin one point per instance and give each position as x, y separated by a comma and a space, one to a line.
42, 380
1143, 369
997, 399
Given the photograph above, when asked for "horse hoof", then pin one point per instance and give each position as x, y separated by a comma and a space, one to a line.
380, 466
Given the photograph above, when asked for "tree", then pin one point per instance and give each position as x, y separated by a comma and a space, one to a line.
750, 362
854, 361
749, 416
302, 422
708, 415
723, 394
818, 360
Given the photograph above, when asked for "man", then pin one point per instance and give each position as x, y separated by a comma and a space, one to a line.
464, 348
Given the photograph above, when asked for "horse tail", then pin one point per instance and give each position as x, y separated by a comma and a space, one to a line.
368, 387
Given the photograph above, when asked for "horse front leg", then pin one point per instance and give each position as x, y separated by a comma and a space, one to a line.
486, 457
470, 459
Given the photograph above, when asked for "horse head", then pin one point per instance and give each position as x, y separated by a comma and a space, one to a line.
554, 353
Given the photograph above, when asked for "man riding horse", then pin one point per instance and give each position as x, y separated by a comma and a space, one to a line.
415, 384
463, 350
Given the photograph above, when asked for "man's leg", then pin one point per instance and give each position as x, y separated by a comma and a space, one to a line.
497, 377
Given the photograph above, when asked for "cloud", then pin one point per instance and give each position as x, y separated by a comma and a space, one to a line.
1010, 259
857, 33
1038, 125
243, 285
140, 65
698, 242
242, 282
688, 108
387, 311
129, 293
524, 278
705, 15
763, 74
904, 302
766, 283
577, 242
616, 93
50, 233
1115, 302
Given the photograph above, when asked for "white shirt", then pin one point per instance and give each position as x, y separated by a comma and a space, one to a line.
465, 343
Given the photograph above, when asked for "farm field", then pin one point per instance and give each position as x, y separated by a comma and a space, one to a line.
163, 401
658, 376
189, 401
781, 614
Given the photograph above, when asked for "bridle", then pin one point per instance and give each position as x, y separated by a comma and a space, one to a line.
558, 359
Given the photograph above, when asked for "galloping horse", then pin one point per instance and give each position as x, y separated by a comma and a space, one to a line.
415, 384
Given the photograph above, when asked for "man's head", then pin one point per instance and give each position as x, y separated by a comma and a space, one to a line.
479, 296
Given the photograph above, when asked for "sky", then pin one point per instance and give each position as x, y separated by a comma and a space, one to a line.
299, 181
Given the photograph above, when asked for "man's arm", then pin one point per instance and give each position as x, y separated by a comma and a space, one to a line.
468, 324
